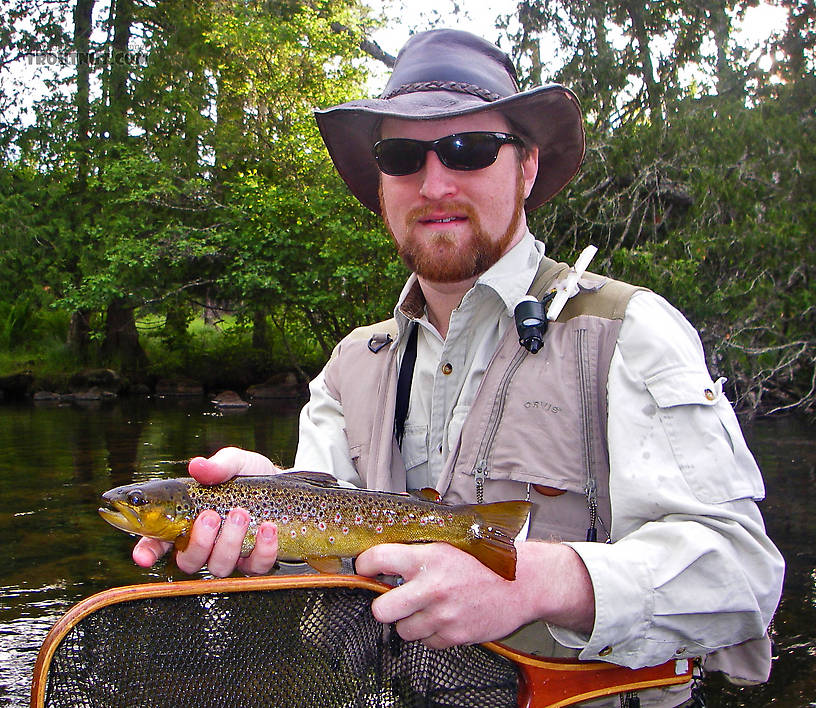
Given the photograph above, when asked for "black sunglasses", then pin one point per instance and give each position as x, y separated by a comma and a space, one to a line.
462, 151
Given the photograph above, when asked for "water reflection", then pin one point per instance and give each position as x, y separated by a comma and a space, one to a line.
54, 464
786, 451
56, 461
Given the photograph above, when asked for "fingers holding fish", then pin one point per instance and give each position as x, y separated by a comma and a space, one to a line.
230, 462
202, 540
389, 559
227, 548
265, 553
148, 550
448, 598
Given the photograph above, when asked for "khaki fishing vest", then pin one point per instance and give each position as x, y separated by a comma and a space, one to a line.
537, 425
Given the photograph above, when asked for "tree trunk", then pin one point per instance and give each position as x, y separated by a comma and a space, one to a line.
728, 81
653, 93
260, 330
83, 14
79, 334
121, 337
117, 84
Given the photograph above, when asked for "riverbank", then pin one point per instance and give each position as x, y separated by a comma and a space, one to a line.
204, 361
107, 384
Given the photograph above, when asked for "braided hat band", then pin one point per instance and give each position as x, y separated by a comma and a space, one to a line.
455, 86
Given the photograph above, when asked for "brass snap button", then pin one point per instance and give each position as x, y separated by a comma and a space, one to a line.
709, 394
606, 651
447, 369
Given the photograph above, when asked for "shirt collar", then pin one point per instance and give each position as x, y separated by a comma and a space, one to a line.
510, 278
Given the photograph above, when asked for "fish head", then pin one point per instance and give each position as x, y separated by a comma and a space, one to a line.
158, 508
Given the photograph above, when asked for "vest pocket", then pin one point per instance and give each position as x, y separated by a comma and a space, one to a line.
414, 446
705, 437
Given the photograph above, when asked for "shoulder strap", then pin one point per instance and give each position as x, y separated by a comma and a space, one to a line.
609, 301
548, 273
406, 375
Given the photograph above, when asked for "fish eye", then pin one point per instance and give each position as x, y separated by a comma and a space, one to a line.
136, 498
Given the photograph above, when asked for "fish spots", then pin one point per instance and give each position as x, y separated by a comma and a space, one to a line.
378, 528
358, 519
338, 517
293, 533
321, 525
345, 530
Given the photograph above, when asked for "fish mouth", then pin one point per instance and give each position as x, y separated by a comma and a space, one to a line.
121, 516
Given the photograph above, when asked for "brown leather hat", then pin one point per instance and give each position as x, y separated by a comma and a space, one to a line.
448, 73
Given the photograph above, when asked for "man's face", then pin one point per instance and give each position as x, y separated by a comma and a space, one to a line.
451, 225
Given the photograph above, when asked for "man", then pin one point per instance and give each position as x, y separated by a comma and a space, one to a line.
614, 429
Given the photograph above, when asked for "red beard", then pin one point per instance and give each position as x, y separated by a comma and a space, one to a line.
441, 258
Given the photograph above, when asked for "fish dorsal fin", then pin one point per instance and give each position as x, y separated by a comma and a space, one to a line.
427, 494
317, 479
326, 564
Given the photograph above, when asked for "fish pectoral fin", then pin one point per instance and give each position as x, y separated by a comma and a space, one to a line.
326, 564
182, 541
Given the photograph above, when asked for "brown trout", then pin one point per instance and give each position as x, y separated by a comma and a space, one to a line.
318, 521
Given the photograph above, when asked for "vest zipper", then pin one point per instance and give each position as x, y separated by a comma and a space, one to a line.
481, 471
479, 474
584, 379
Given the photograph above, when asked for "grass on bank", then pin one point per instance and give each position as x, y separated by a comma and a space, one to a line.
218, 356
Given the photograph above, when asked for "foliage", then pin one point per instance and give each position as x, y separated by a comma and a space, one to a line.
194, 180
704, 195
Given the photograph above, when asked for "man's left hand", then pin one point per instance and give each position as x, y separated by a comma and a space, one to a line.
450, 598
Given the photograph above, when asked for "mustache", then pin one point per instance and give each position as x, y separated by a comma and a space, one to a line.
423, 212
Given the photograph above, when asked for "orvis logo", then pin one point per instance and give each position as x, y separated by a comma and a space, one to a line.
545, 406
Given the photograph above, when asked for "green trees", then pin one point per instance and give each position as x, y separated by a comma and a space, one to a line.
171, 165
699, 175
182, 167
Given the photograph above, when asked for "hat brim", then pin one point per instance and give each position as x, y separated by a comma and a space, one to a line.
550, 116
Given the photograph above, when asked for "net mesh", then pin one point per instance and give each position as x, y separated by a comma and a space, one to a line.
289, 647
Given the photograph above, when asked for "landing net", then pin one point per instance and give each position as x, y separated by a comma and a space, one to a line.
298, 647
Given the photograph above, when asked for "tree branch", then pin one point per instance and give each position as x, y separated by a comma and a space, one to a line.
371, 48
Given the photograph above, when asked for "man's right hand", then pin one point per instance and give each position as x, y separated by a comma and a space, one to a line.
217, 545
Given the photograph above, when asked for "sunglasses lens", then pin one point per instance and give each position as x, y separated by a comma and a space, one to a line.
468, 151
399, 156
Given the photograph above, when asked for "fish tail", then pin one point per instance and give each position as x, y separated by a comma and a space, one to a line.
498, 525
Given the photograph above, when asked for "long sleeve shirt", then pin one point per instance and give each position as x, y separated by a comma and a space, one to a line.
690, 568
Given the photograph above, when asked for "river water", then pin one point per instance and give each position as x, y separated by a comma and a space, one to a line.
55, 461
